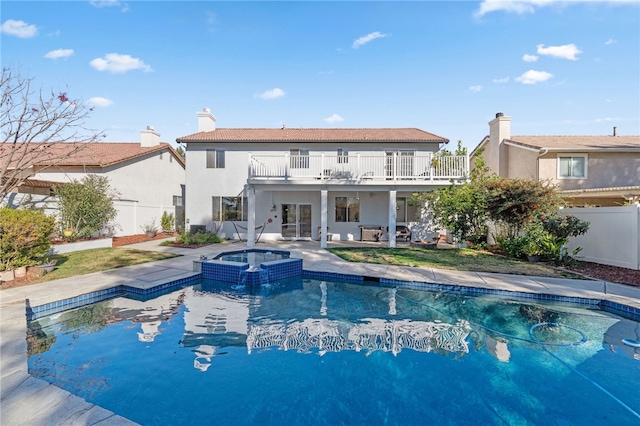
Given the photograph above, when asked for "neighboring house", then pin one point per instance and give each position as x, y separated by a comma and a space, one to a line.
148, 176
588, 170
288, 183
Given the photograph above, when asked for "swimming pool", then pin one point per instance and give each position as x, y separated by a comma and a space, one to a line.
310, 351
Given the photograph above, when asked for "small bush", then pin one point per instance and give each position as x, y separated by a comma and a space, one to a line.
512, 246
24, 237
167, 221
198, 238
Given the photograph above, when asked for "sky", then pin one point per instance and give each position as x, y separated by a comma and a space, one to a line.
446, 67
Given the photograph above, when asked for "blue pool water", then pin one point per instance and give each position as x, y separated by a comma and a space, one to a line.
253, 257
310, 352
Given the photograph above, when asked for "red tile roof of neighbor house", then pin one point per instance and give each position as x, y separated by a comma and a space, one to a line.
286, 134
610, 143
97, 154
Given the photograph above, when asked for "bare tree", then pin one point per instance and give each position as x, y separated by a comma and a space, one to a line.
38, 130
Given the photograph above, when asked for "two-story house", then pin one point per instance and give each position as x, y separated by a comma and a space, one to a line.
148, 177
587, 170
310, 183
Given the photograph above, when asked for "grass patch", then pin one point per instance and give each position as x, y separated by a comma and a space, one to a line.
101, 259
452, 259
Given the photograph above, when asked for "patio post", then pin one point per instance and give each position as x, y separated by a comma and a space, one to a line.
323, 218
251, 220
392, 218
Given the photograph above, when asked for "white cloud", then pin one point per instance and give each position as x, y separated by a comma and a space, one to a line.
118, 64
501, 80
567, 51
533, 77
530, 6
476, 88
335, 118
19, 29
519, 7
109, 3
366, 39
97, 101
610, 41
529, 58
59, 53
272, 94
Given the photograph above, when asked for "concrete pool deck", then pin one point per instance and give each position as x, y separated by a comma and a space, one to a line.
25, 400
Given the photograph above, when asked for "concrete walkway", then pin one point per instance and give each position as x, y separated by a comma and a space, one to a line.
25, 400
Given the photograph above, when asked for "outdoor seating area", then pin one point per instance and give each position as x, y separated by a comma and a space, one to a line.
371, 232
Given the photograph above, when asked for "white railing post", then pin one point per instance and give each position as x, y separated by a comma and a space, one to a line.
286, 165
394, 166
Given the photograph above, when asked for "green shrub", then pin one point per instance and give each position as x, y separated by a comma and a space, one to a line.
167, 221
24, 237
86, 206
512, 246
198, 238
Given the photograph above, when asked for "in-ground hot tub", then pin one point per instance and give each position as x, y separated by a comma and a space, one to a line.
251, 266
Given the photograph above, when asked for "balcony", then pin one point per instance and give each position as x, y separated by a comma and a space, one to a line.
362, 169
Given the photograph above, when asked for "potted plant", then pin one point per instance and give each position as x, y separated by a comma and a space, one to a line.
150, 229
47, 265
532, 250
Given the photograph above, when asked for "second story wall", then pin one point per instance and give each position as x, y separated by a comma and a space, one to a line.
603, 170
521, 163
230, 179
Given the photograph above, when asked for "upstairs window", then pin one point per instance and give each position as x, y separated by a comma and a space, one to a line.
177, 201
572, 167
343, 156
215, 159
299, 159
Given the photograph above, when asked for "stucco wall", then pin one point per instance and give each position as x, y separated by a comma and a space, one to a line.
521, 163
603, 170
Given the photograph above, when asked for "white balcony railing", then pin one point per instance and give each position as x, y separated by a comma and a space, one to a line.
322, 167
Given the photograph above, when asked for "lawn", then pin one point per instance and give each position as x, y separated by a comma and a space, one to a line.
454, 259
96, 260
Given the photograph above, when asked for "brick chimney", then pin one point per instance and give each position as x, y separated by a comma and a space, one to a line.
206, 121
499, 131
149, 137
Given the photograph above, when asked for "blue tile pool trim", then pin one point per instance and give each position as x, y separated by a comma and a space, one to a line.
241, 272
36, 312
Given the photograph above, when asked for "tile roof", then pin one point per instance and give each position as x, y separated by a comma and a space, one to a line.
314, 135
578, 142
98, 154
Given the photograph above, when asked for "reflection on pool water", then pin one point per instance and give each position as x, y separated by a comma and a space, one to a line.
306, 351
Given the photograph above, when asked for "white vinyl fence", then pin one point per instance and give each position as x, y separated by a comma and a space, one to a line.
613, 237
130, 219
132, 216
